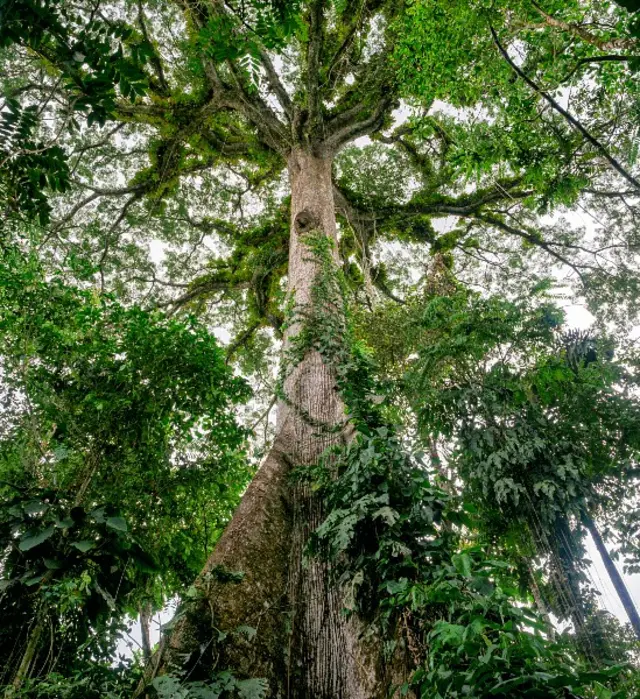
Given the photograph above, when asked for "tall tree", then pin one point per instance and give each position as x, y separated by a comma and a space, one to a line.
200, 103
543, 426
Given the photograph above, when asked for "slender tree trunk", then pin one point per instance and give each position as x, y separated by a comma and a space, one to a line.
562, 551
587, 624
29, 656
303, 644
145, 629
614, 575
540, 603
557, 542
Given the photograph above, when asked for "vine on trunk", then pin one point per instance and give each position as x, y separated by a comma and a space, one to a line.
402, 548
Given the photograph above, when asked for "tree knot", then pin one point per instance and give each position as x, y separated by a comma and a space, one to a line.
306, 221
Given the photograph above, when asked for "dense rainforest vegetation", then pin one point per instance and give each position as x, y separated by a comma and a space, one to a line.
283, 343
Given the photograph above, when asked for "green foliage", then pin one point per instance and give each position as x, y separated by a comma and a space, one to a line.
97, 60
541, 425
96, 57
120, 459
323, 326
376, 175
47, 542
531, 420
120, 456
399, 544
223, 684
28, 168
97, 680
452, 65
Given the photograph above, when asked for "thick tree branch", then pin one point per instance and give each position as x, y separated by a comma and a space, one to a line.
339, 65
276, 84
274, 133
203, 289
240, 340
235, 96
465, 205
420, 160
210, 225
163, 86
611, 193
582, 33
314, 50
597, 59
114, 226
380, 284
343, 129
226, 145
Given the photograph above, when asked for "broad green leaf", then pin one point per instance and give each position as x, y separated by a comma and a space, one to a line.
255, 688
32, 540
117, 523
462, 563
84, 545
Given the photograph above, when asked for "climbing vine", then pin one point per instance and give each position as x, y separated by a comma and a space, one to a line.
404, 550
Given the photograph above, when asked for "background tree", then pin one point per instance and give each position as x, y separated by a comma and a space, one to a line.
117, 475
545, 428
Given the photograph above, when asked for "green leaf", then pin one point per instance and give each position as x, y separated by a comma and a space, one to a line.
395, 586
98, 515
33, 540
169, 687
388, 514
143, 561
248, 632
199, 690
117, 523
84, 545
462, 563
64, 523
35, 507
255, 688
53, 564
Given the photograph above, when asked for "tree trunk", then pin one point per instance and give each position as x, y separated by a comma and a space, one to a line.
557, 542
31, 651
303, 644
328, 658
146, 616
539, 600
588, 629
614, 575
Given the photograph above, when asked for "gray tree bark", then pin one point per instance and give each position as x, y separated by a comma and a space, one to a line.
146, 615
303, 644
328, 657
